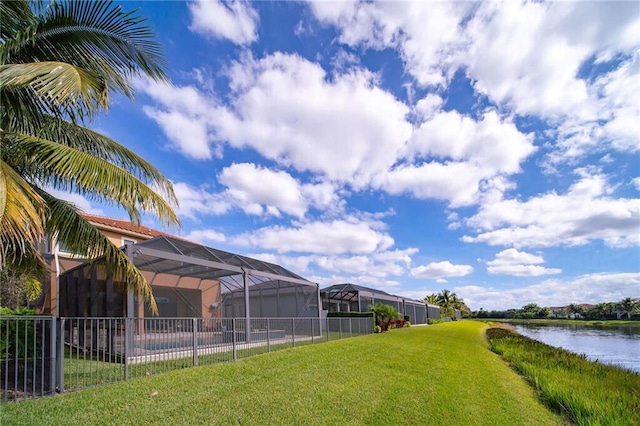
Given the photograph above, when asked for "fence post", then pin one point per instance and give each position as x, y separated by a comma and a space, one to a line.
328, 329
53, 349
194, 333
339, 327
128, 343
233, 333
350, 334
268, 337
60, 358
312, 332
293, 332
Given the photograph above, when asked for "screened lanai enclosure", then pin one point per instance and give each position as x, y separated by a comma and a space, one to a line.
222, 297
189, 280
356, 298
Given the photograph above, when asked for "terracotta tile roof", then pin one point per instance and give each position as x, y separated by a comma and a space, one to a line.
124, 225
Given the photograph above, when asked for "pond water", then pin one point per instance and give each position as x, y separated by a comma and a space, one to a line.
615, 345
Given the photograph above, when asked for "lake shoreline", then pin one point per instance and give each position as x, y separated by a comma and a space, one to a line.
563, 321
605, 394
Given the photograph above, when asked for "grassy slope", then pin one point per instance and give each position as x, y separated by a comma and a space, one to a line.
588, 393
436, 375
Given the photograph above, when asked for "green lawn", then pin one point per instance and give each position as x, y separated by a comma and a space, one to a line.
437, 375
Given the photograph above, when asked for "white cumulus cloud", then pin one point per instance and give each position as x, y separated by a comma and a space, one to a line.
260, 190
529, 58
233, 20
588, 288
437, 270
194, 201
333, 237
586, 212
519, 264
206, 236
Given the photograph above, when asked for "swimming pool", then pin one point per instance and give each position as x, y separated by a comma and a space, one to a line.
226, 337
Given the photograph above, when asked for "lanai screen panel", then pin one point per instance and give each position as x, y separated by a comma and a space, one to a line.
416, 310
366, 301
269, 298
89, 291
393, 302
433, 311
273, 291
358, 297
421, 314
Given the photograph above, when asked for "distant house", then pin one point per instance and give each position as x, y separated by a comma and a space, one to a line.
558, 312
355, 298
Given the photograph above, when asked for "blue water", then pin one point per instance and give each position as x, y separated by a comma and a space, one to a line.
614, 345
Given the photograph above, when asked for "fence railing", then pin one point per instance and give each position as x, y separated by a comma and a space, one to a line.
43, 355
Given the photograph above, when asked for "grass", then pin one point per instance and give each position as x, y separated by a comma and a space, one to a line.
84, 370
585, 392
437, 375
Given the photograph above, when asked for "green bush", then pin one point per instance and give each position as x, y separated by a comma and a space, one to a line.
407, 324
434, 321
17, 338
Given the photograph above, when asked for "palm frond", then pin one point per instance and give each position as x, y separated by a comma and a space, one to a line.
21, 212
97, 145
94, 35
15, 15
59, 83
67, 226
67, 168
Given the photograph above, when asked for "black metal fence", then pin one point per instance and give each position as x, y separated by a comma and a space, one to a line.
42, 355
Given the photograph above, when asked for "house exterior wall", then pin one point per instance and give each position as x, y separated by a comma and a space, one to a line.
210, 296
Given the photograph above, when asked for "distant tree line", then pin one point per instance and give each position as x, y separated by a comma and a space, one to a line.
627, 308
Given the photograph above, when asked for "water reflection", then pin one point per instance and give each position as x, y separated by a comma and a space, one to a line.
615, 345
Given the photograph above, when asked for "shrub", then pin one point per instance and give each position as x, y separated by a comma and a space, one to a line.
434, 321
377, 329
407, 324
384, 315
17, 338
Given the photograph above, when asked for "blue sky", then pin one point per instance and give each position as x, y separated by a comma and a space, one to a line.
487, 148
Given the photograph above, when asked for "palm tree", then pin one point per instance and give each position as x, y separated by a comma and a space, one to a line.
628, 306
448, 302
445, 299
383, 314
431, 298
59, 62
576, 310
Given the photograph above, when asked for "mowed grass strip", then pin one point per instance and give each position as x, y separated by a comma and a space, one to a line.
585, 392
437, 375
